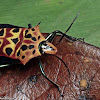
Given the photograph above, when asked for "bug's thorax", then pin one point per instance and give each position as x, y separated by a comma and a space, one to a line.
30, 45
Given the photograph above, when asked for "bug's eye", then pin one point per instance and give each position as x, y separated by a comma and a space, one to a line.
49, 48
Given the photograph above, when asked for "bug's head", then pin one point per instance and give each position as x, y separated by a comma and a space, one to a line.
47, 47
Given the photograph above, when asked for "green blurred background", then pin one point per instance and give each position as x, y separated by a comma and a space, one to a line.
55, 15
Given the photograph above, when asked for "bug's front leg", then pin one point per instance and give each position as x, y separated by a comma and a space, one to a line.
64, 35
42, 71
50, 37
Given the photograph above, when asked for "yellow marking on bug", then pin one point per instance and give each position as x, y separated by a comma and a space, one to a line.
1, 42
12, 45
29, 53
4, 34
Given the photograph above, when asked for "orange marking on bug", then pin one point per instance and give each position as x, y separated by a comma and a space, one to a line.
28, 53
35, 33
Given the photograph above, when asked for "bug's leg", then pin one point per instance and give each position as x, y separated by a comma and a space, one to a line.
60, 40
62, 62
81, 39
42, 71
50, 37
9, 64
4, 61
4, 65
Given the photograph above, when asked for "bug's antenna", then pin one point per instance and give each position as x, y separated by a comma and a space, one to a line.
72, 22
64, 34
61, 61
39, 23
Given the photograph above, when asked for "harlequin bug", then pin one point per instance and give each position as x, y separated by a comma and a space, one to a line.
23, 44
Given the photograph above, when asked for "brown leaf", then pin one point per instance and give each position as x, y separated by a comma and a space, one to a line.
20, 82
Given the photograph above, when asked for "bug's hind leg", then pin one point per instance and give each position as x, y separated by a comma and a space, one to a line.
42, 71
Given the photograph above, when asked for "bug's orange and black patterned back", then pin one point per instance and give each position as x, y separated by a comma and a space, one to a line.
20, 43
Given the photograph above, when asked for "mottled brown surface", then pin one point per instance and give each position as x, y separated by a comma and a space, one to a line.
83, 61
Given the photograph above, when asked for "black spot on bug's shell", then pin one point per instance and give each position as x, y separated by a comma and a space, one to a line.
16, 30
24, 47
33, 29
38, 37
18, 53
29, 26
45, 44
15, 40
2, 32
8, 51
23, 57
26, 32
31, 46
33, 51
28, 36
33, 38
